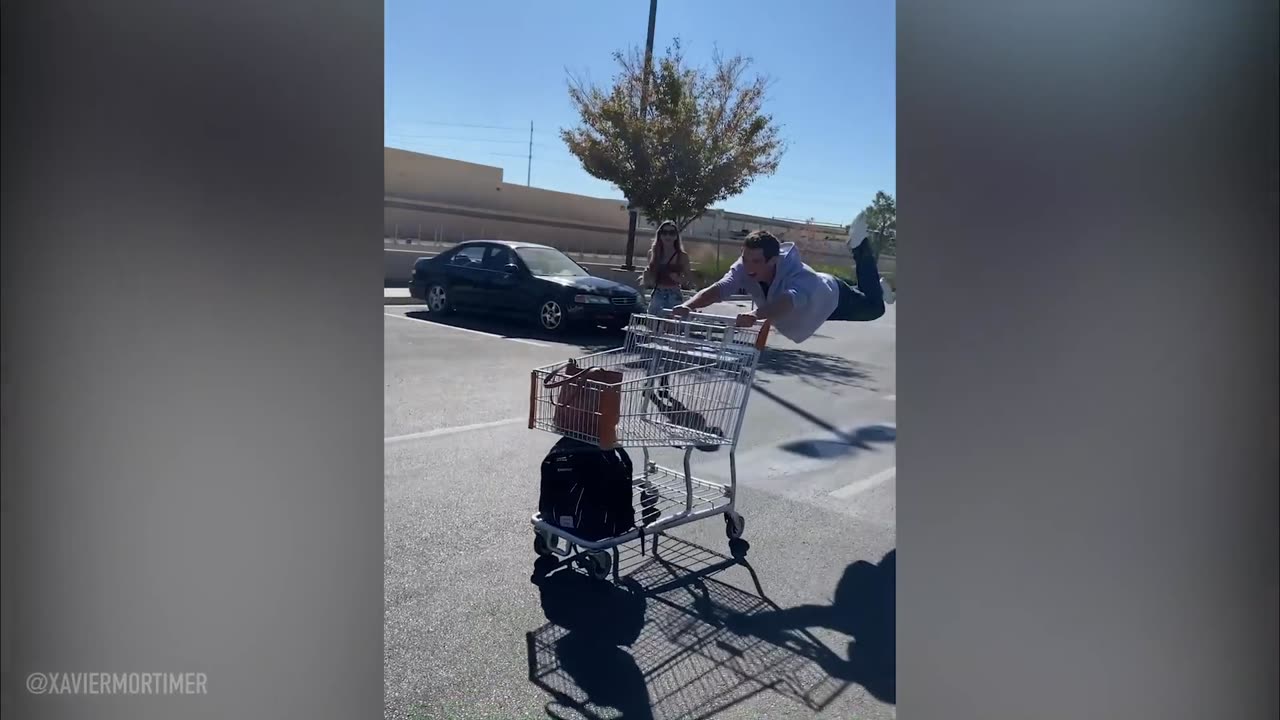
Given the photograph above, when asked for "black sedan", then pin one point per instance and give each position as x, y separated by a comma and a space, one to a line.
521, 280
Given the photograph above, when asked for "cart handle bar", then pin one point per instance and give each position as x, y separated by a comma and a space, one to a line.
728, 320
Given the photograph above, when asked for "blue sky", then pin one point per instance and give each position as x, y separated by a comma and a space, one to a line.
465, 79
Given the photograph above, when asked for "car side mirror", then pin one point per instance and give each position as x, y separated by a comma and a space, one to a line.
511, 269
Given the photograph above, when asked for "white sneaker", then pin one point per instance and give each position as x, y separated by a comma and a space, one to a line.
888, 291
857, 231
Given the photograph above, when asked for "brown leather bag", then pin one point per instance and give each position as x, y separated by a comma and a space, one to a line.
588, 404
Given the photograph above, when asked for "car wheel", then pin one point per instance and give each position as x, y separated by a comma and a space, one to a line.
438, 300
551, 315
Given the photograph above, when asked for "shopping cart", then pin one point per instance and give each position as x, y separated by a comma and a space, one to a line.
676, 382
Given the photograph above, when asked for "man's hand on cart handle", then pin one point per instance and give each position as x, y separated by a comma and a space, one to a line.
681, 311
746, 320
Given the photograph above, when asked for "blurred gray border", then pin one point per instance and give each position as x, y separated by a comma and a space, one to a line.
1087, 355
192, 357
192, 411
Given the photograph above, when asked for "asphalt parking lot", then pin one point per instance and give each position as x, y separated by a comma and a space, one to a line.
795, 622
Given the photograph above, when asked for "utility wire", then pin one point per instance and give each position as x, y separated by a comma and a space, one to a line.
509, 128
460, 139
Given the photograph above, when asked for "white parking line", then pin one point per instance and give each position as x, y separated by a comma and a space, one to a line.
466, 330
865, 484
439, 432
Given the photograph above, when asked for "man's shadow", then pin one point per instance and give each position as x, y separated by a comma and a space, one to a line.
600, 619
849, 443
864, 608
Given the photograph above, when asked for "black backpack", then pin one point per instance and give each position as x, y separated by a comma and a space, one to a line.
586, 490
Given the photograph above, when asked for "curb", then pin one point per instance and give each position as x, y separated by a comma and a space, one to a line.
398, 296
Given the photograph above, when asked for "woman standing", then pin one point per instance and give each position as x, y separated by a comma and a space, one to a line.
668, 265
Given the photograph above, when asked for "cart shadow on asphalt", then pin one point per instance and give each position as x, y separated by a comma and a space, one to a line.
677, 413
588, 340
671, 641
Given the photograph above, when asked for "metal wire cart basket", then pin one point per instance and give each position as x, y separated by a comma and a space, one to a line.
676, 382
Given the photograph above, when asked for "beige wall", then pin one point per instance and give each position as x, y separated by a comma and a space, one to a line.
441, 180
440, 198
453, 227
399, 268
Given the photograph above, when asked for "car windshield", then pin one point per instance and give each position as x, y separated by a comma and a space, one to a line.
550, 262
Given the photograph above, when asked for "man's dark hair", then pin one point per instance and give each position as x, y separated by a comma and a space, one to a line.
764, 241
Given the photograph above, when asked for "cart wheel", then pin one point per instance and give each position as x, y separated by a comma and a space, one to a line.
541, 545
733, 525
597, 564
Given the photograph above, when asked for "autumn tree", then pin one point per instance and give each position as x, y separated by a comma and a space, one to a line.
882, 222
703, 137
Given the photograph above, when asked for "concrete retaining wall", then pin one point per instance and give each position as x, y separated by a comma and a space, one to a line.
434, 198
399, 268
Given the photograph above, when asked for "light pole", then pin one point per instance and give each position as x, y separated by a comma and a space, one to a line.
633, 215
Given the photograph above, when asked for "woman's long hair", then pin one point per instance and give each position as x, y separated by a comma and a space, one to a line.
653, 248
